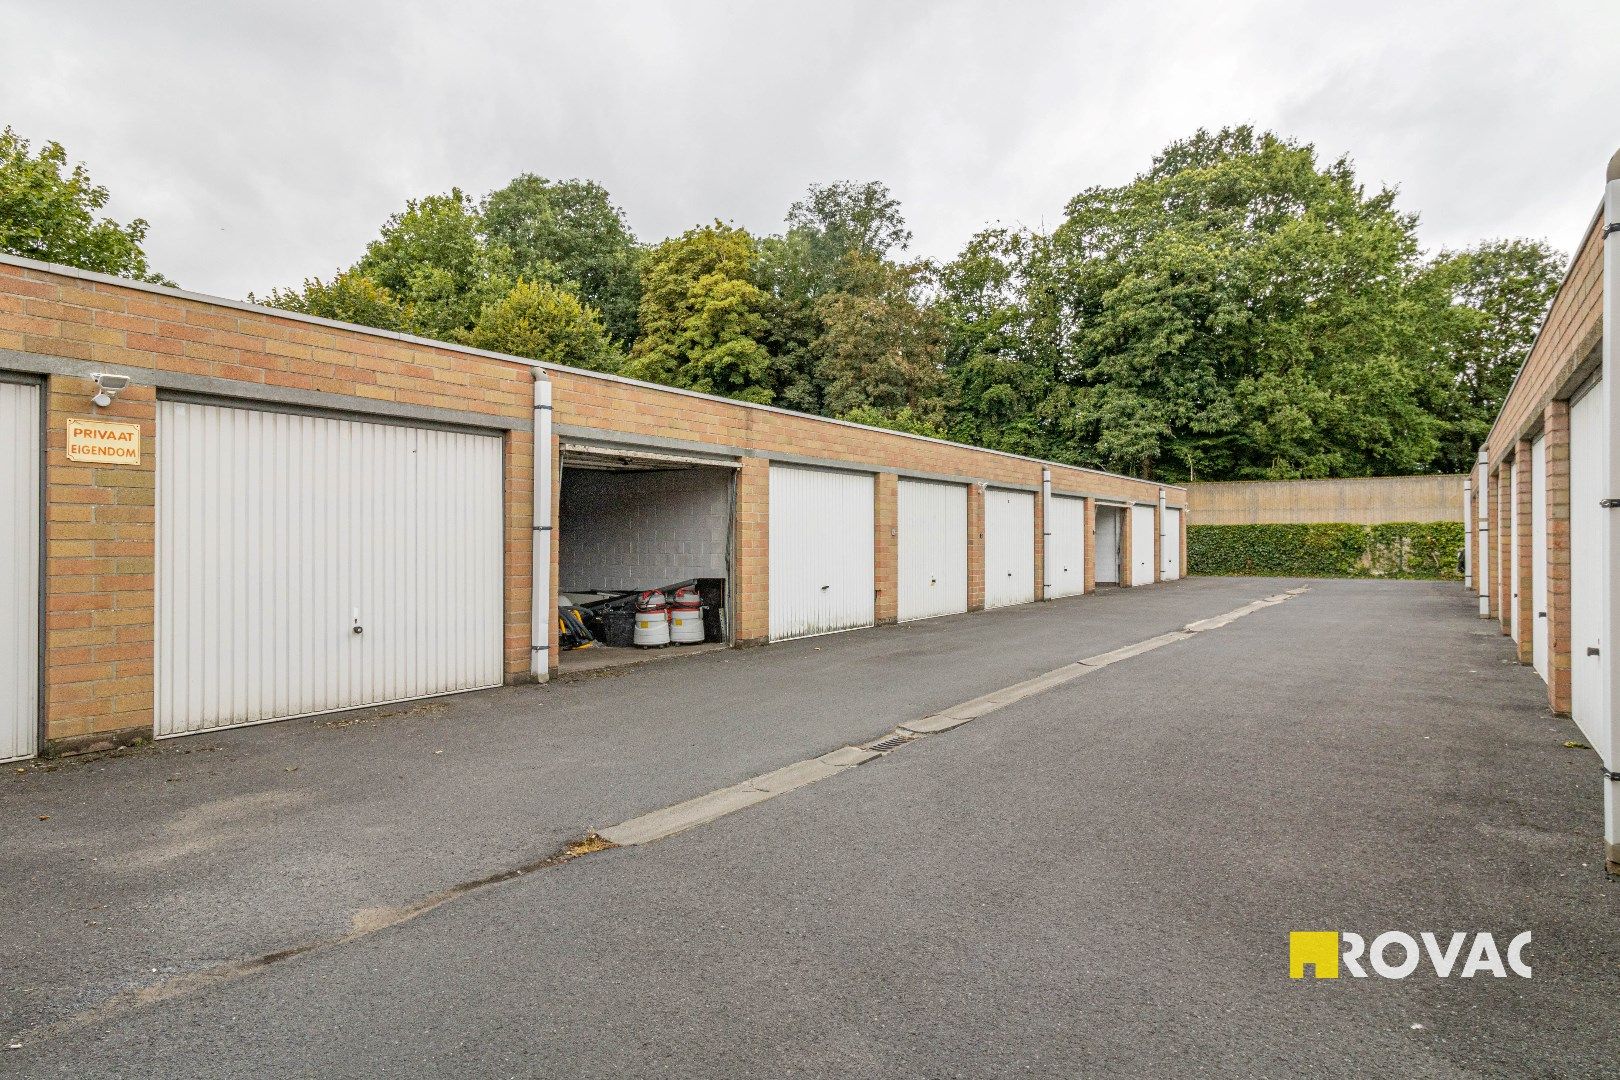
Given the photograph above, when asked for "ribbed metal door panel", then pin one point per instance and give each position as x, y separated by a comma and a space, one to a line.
19, 570
1170, 557
821, 559
1513, 553
932, 550
1066, 546
1110, 522
278, 534
1587, 524
1538, 556
1009, 548
1142, 545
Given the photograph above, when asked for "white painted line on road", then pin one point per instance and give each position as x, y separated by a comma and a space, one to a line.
728, 800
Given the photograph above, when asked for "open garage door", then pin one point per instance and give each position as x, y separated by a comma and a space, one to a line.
1066, 546
19, 570
822, 567
1009, 547
1587, 524
933, 549
1170, 557
1538, 556
310, 563
1142, 545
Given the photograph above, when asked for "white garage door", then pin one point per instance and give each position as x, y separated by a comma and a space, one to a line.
1066, 546
1109, 540
821, 562
1009, 547
1170, 558
1513, 553
1587, 525
1142, 530
1538, 555
306, 564
19, 570
933, 549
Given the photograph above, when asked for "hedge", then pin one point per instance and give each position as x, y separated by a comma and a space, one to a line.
1407, 549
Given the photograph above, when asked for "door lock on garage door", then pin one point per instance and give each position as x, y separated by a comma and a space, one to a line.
358, 629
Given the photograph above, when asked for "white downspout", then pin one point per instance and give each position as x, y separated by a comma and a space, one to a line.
1046, 534
1482, 565
542, 604
1468, 541
1164, 540
1610, 639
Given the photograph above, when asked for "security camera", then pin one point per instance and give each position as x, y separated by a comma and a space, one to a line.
107, 387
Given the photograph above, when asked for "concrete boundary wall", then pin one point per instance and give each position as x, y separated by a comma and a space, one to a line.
60, 327
1376, 500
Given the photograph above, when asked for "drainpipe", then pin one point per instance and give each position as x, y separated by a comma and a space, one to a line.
1482, 534
1468, 541
1164, 540
542, 605
1610, 639
1046, 534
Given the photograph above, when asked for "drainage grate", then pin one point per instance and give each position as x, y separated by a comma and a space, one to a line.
892, 742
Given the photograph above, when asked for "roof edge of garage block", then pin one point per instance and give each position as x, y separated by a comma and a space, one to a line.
538, 365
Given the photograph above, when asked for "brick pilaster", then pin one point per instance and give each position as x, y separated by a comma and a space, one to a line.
751, 572
1502, 539
100, 541
1127, 564
886, 546
975, 547
1555, 429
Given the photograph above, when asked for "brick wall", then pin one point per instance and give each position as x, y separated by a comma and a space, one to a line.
100, 520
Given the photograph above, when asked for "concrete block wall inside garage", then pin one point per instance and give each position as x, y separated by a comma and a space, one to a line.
259, 429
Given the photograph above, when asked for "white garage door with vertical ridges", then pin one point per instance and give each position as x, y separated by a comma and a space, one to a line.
309, 563
1538, 556
1142, 544
1170, 557
932, 549
1066, 546
1588, 525
822, 567
19, 570
1009, 547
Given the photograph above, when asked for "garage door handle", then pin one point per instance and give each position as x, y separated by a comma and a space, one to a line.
1591, 650
824, 588
1541, 614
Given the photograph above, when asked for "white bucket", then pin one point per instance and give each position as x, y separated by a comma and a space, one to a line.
652, 629
686, 626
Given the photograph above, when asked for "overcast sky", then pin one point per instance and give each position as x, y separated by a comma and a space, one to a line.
266, 143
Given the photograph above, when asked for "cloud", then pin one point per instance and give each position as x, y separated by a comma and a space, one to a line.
265, 145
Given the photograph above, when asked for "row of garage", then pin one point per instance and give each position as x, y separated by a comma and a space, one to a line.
280, 551
1542, 555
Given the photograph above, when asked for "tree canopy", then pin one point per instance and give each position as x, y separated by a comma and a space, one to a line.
1241, 309
48, 211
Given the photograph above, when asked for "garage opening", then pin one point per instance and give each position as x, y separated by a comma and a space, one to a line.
1109, 541
644, 555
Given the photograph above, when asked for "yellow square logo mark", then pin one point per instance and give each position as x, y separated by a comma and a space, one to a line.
1317, 948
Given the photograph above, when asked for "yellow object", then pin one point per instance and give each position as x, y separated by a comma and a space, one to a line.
1318, 948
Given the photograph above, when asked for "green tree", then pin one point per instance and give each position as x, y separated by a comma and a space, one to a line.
49, 212
434, 259
702, 317
570, 233
1242, 310
881, 346
1488, 303
543, 322
350, 297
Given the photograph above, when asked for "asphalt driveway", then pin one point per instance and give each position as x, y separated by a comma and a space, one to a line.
1097, 880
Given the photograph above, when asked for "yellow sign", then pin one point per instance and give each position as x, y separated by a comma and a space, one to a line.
104, 442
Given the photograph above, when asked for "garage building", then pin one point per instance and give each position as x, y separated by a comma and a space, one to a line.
226, 514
